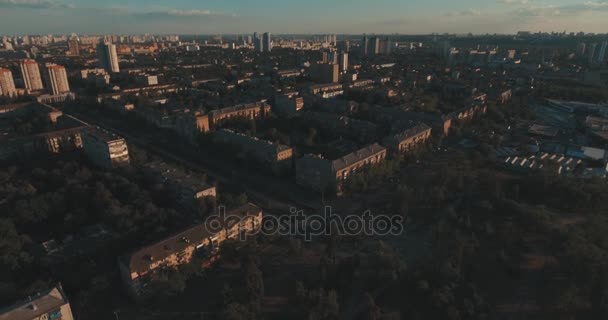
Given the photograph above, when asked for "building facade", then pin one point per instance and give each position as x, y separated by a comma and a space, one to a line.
201, 241
56, 79
108, 59
407, 140
105, 149
256, 110
31, 74
320, 174
7, 84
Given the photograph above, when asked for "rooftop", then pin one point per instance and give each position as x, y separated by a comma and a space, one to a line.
35, 307
357, 156
140, 260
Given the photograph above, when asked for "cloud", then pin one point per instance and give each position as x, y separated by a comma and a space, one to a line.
34, 4
465, 13
189, 13
515, 2
553, 10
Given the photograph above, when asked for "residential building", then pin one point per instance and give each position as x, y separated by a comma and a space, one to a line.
30, 74
52, 304
320, 174
325, 73
73, 47
327, 90
408, 139
247, 111
147, 80
601, 57
7, 84
189, 124
287, 105
343, 61
186, 188
105, 149
202, 241
108, 59
56, 79
266, 39
276, 156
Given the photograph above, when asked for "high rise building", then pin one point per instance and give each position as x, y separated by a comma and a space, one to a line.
581, 49
258, 44
325, 73
7, 85
73, 47
56, 79
343, 61
30, 74
267, 42
591, 52
364, 46
108, 59
601, 57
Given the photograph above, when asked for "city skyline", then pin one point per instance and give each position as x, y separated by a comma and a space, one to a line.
315, 16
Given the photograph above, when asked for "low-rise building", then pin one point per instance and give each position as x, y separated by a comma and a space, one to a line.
327, 91
203, 241
186, 188
189, 124
276, 156
404, 141
288, 105
51, 304
248, 111
105, 149
321, 174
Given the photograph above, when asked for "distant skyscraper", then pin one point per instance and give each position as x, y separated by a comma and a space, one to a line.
108, 59
591, 52
365, 46
267, 42
7, 84
343, 61
56, 79
601, 57
73, 47
581, 49
257, 43
30, 74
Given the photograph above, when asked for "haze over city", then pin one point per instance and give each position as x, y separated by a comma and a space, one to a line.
305, 160
314, 16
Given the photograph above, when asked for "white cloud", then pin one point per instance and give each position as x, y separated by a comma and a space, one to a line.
189, 13
464, 13
515, 2
34, 4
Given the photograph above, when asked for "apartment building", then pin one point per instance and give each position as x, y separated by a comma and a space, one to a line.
189, 124
288, 105
186, 188
105, 149
320, 174
247, 111
51, 304
7, 84
328, 90
201, 241
405, 141
275, 156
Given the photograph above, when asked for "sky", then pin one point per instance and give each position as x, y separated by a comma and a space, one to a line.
302, 16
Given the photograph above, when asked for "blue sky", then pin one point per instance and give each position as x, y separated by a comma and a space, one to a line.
309, 16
